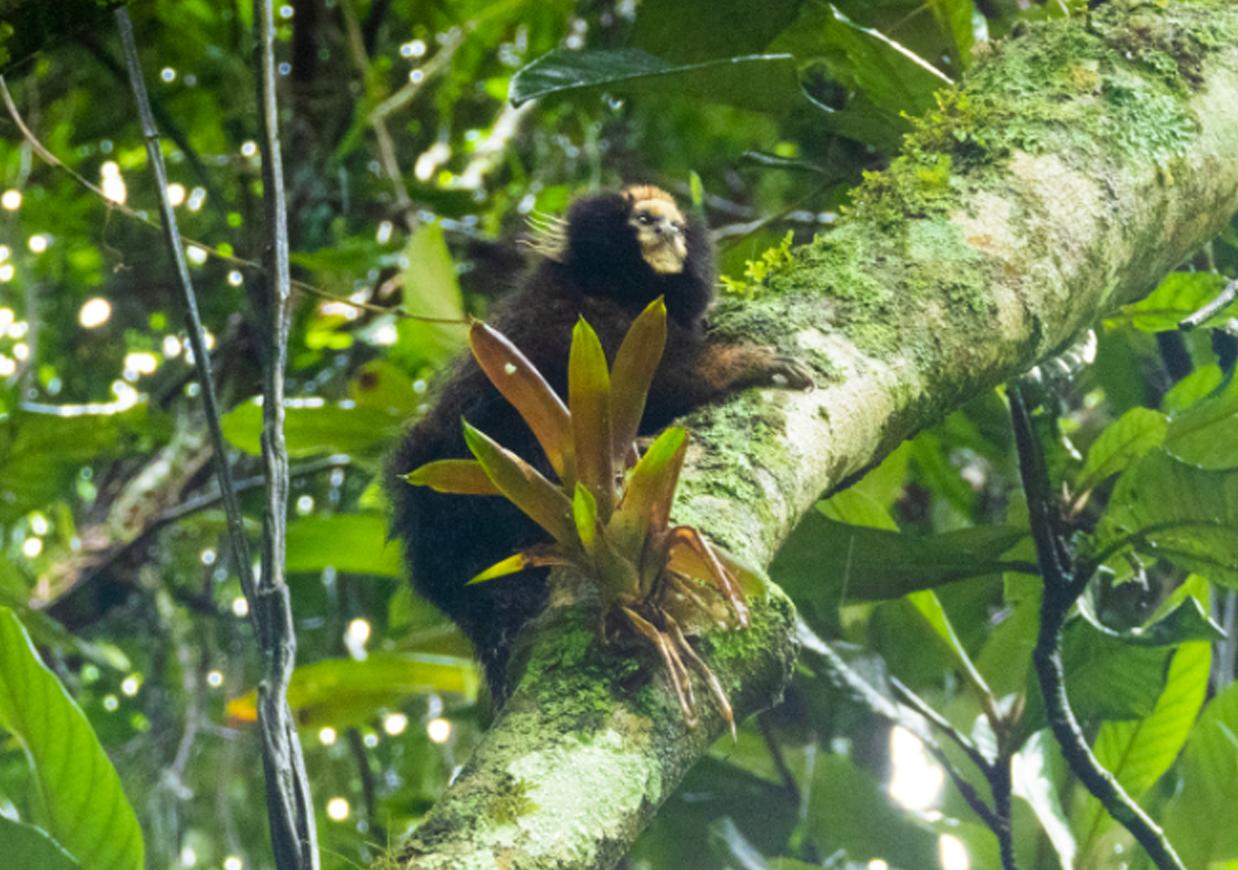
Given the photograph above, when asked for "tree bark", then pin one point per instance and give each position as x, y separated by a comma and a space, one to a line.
1078, 164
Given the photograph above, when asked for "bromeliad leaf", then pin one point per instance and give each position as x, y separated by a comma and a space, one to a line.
457, 476
666, 581
649, 489
588, 396
534, 557
523, 385
635, 364
524, 486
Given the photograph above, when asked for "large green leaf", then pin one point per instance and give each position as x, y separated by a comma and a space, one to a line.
82, 804
41, 451
313, 428
765, 83
347, 542
344, 692
826, 559
1139, 751
1168, 509
719, 28
1108, 679
1197, 818
1206, 434
929, 606
1179, 295
1184, 621
1134, 434
895, 78
431, 289
29, 848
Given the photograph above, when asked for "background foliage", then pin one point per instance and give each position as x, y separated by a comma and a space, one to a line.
411, 176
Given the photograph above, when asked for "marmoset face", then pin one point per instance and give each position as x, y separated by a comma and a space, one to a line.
659, 226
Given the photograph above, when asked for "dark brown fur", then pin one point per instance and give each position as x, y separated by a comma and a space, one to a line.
601, 276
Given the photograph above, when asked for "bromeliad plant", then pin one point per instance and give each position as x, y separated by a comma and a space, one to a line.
609, 515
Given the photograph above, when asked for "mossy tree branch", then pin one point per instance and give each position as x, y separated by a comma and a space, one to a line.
1079, 163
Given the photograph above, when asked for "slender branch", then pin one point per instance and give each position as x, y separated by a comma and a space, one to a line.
911, 699
1062, 588
996, 774
775, 754
289, 806
197, 340
291, 815
369, 788
838, 672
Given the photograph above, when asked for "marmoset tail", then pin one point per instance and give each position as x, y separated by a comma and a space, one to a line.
613, 255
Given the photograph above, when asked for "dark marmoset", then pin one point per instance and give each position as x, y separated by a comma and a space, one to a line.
614, 255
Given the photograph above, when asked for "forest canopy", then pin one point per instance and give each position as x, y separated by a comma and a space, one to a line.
420, 140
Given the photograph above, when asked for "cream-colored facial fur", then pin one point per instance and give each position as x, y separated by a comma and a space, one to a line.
659, 229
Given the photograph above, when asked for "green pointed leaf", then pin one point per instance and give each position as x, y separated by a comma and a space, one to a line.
344, 692
511, 565
312, 428
29, 848
347, 542
1032, 781
1179, 295
650, 488
1107, 679
1185, 621
83, 805
459, 476
1209, 789
1139, 751
430, 288
826, 560
524, 486
1167, 509
895, 78
588, 396
1205, 435
719, 28
1134, 434
930, 608
523, 385
585, 512
635, 365
1191, 389
763, 83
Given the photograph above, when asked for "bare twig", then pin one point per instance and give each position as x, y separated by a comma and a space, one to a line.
1062, 587
1200, 317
